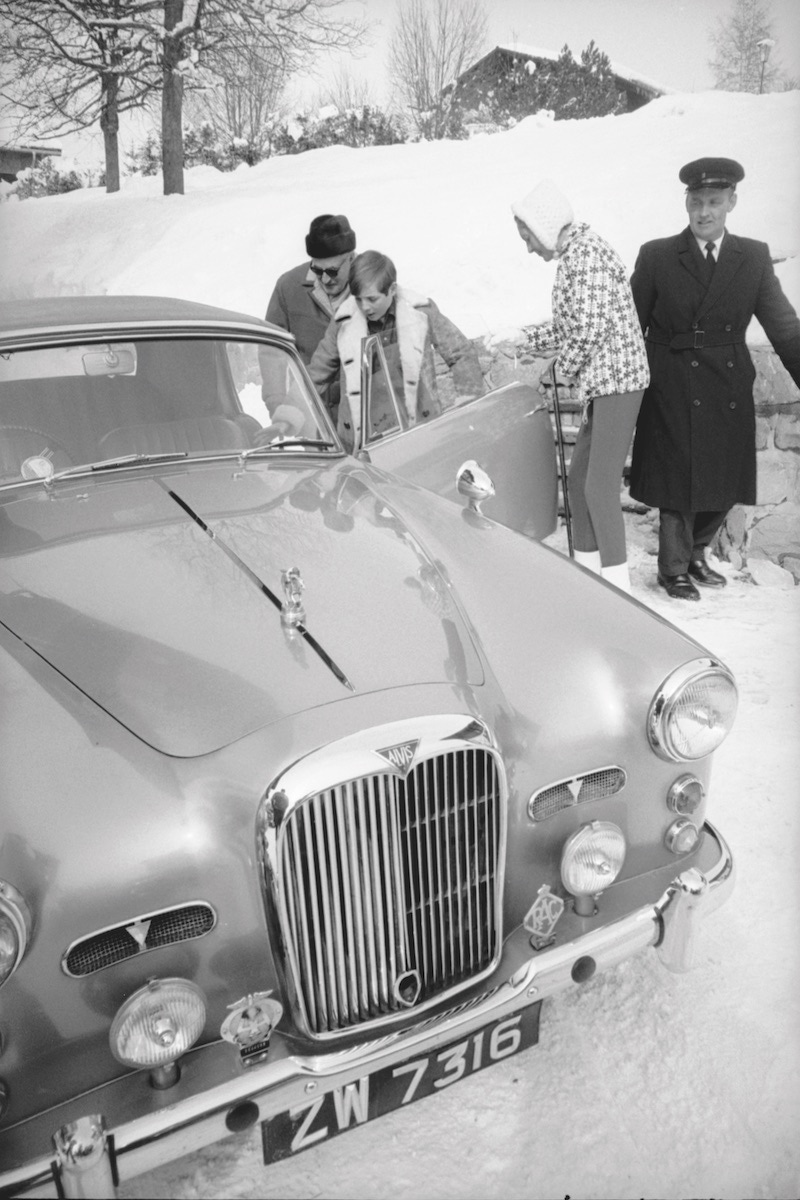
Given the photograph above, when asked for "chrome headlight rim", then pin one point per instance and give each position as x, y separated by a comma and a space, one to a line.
14, 909
666, 699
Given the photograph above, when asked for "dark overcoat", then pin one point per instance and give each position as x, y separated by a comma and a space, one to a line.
694, 447
294, 306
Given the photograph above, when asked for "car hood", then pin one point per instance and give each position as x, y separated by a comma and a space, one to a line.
159, 595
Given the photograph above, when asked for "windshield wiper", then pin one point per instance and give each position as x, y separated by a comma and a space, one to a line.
288, 443
122, 460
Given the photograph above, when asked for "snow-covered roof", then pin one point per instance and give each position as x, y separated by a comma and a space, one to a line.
527, 51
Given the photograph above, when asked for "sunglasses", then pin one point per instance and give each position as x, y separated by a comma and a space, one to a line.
331, 272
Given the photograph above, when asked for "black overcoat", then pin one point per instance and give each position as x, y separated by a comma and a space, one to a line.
694, 447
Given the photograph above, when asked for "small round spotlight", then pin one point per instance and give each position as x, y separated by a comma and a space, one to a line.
682, 836
686, 795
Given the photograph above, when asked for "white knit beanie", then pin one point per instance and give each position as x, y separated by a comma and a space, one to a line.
545, 211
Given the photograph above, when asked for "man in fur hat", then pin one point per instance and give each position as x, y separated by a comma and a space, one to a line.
308, 296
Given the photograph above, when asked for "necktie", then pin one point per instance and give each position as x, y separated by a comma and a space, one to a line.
710, 260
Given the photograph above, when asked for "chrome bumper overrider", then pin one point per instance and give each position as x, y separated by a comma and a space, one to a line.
82, 1157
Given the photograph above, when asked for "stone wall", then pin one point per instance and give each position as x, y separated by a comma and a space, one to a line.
768, 531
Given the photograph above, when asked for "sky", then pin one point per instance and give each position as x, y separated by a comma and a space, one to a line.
644, 1083
663, 40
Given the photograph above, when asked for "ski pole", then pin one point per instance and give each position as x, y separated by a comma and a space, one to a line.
562, 462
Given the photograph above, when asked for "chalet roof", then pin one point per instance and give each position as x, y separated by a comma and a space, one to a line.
624, 74
20, 148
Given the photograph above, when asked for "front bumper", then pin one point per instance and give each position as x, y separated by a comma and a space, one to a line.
213, 1110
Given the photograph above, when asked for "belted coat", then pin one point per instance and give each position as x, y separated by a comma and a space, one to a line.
694, 446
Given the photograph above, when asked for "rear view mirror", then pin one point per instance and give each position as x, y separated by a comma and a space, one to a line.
111, 360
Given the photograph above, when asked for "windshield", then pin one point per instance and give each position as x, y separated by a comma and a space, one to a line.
126, 402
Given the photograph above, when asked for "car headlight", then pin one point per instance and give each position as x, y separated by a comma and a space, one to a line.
159, 1023
15, 929
591, 860
692, 712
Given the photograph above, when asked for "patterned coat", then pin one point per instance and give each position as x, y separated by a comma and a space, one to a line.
421, 329
694, 447
595, 329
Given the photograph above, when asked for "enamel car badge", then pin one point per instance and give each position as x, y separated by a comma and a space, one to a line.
542, 917
251, 1020
400, 757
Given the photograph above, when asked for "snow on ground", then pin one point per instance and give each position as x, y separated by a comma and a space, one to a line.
645, 1083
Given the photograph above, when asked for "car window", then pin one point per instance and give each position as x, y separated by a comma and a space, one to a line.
383, 412
66, 406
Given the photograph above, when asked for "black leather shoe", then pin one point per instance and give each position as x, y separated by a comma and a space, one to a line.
680, 587
701, 571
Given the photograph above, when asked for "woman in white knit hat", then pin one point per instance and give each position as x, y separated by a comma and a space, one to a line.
597, 339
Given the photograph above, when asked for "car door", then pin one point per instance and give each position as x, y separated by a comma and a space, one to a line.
508, 432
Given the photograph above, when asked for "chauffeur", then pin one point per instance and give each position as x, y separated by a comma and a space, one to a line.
694, 447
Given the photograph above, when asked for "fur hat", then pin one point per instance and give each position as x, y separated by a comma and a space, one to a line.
329, 236
545, 211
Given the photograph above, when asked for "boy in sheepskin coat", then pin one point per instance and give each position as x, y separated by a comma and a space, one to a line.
411, 327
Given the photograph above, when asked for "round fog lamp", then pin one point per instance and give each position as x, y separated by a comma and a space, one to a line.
158, 1024
682, 836
592, 858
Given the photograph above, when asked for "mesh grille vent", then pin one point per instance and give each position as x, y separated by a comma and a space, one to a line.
596, 785
114, 945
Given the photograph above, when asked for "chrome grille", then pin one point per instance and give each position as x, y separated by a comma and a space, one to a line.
110, 946
595, 785
389, 887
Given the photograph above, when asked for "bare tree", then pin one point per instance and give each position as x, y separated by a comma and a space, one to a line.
239, 92
742, 44
344, 92
433, 43
68, 63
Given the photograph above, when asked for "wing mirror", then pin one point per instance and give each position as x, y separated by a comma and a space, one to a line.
474, 484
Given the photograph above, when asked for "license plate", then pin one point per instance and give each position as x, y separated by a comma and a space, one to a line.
389, 1088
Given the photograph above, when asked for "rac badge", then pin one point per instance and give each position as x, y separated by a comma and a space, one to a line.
401, 756
542, 917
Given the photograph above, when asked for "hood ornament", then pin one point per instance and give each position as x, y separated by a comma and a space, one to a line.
292, 611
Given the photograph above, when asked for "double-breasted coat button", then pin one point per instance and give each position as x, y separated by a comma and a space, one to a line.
696, 403
733, 404
730, 363
727, 328
695, 363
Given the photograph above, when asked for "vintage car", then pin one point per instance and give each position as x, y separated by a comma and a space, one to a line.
320, 772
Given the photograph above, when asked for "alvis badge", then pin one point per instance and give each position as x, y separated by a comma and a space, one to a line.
542, 917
